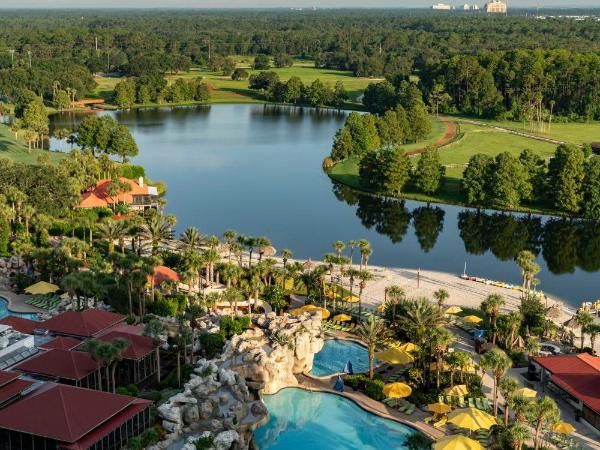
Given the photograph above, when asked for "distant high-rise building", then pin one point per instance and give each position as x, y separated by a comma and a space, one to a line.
496, 6
442, 6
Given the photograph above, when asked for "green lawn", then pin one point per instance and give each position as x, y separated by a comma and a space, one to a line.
225, 90
17, 150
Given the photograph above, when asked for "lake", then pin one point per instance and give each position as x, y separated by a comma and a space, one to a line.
257, 169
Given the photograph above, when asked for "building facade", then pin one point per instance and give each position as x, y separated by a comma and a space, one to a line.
496, 7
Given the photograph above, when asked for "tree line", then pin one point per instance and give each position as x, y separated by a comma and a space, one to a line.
569, 183
155, 89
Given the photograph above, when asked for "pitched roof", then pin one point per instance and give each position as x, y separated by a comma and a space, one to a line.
162, 274
7, 376
14, 388
139, 346
63, 413
86, 323
579, 375
61, 343
20, 324
64, 364
98, 196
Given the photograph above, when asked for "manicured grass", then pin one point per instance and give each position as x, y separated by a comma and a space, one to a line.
226, 90
438, 130
17, 150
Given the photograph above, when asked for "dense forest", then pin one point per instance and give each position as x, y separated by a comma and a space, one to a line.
514, 66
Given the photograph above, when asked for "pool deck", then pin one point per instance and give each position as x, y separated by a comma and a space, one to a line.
374, 407
16, 303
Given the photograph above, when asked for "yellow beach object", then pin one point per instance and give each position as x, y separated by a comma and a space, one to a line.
472, 319
472, 419
439, 408
394, 356
457, 391
453, 310
456, 442
526, 392
444, 367
342, 318
381, 308
397, 390
563, 427
310, 308
351, 299
42, 288
408, 347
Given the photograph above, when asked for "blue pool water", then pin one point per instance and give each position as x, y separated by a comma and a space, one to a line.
4, 311
336, 353
300, 420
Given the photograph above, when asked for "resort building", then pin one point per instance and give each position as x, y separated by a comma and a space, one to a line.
574, 379
21, 324
14, 347
12, 387
496, 7
441, 7
60, 417
82, 324
139, 196
63, 366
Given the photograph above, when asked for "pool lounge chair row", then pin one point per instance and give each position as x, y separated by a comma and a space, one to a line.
401, 405
461, 402
340, 326
44, 301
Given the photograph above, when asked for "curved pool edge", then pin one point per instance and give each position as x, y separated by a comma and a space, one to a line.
15, 306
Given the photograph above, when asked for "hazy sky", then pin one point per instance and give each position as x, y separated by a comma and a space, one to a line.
272, 3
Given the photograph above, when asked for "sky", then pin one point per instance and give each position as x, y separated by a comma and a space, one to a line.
275, 3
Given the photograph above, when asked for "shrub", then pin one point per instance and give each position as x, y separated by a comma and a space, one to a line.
374, 389
239, 74
204, 443
230, 325
133, 389
328, 163
122, 391
151, 436
211, 343
164, 307
134, 444
131, 171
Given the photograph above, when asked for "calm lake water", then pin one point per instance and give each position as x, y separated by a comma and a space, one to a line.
257, 169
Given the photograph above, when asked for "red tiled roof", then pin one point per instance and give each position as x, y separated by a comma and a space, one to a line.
65, 364
13, 389
162, 274
579, 375
61, 343
137, 330
86, 323
6, 377
139, 346
20, 324
64, 413
99, 197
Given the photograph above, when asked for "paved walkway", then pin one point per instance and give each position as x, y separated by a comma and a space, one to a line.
16, 303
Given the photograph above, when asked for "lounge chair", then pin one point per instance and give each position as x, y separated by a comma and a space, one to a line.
479, 403
430, 420
440, 398
461, 401
486, 404
441, 422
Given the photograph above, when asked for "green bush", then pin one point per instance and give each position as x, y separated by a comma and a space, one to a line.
59, 228
134, 444
204, 443
230, 326
154, 396
374, 389
164, 307
151, 436
133, 389
131, 171
211, 344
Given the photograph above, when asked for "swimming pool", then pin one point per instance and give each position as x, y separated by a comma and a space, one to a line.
299, 420
336, 353
4, 311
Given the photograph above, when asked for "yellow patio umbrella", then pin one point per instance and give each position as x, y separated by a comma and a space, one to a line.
394, 356
526, 392
310, 307
457, 391
472, 319
297, 311
408, 347
439, 408
41, 288
456, 442
563, 427
397, 390
342, 318
381, 308
472, 419
453, 310
351, 299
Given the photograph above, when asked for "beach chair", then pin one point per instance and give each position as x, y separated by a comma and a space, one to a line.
440, 398
461, 401
479, 403
430, 420
441, 422
486, 404
471, 402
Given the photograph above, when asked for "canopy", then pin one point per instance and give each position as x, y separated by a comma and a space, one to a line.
408, 347
439, 408
310, 308
397, 390
342, 318
472, 319
394, 356
563, 427
457, 391
471, 419
351, 299
41, 288
456, 442
453, 310
526, 392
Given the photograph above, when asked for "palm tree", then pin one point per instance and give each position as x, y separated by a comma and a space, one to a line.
529, 268
61, 134
418, 441
27, 212
441, 295
498, 363
363, 276
352, 245
192, 238
365, 252
519, 404
491, 306
97, 352
117, 347
457, 361
261, 244
394, 294
233, 296
236, 248
210, 258
231, 274
155, 329
372, 333
540, 412
440, 339
418, 318
518, 435
339, 247
248, 242
15, 126
111, 231
156, 231
71, 283
583, 319
229, 237
593, 330
286, 254
513, 320
508, 386
308, 279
